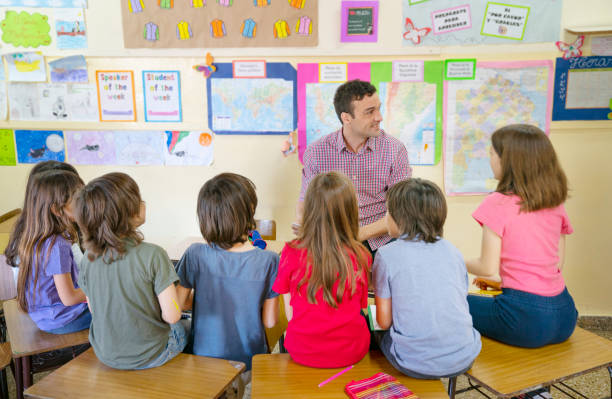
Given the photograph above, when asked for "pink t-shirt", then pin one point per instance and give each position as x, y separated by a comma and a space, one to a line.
319, 335
530, 243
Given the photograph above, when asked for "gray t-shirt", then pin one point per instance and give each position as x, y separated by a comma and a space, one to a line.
230, 289
432, 330
127, 330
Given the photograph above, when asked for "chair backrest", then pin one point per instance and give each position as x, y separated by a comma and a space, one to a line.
7, 221
8, 288
266, 228
274, 334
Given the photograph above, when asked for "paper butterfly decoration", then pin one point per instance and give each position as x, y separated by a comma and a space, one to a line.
414, 34
209, 68
571, 50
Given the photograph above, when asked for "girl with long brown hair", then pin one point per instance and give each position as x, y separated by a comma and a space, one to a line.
47, 283
523, 244
323, 275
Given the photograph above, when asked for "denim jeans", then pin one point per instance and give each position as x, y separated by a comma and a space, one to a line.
523, 319
177, 339
80, 323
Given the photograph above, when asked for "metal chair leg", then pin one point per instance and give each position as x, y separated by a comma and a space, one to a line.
452, 387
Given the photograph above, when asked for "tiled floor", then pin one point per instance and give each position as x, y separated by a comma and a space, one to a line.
594, 385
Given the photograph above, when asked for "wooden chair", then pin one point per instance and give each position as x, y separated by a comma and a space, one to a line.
7, 221
185, 376
27, 340
276, 334
277, 376
509, 371
5, 360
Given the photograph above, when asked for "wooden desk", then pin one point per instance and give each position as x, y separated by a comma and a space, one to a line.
509, 371
277, 376
185, 376
27, 339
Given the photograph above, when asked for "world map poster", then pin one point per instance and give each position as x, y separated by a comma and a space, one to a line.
502, 93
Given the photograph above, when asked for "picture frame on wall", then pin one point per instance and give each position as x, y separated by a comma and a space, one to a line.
359, 21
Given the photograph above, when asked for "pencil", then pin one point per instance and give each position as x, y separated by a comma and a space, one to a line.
335, 376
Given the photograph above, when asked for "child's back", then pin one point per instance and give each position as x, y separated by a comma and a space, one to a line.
230, 290
319, 335
131, 334
432, 331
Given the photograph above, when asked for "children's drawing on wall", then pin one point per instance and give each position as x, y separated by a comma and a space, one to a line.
82, 102
23, 102
162, 96
22, 29
39, 145
26, 67
116, 95
7, 148
45, 3
70, 29
71, 69
140, 147
189, 148
91, 147
3, 95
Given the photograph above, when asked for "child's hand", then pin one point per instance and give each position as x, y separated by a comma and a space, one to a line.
484, 284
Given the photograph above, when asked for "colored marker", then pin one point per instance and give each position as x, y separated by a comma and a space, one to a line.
335, 376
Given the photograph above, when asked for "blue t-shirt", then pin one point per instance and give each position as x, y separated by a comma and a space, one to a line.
230, 289
432, 330
45, 307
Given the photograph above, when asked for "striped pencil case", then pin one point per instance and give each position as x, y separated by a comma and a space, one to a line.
379, 386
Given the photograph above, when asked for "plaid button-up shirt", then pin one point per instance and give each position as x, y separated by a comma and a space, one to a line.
378, 165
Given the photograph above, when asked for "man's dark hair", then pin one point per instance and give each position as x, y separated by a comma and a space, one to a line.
353, 90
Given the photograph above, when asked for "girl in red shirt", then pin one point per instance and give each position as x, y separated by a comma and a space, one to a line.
323, 276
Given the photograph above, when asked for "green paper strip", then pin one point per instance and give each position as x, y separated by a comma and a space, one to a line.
7, 148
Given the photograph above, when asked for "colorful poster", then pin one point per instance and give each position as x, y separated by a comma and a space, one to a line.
22, 29
501, 94
26, 67
7, 148
201, 24
473, 22
53, 102
189, 148
70, 29
140, 147
91, 147
412, 110
316, 101
39, 145
359, 21
116, 96
71, 69
582, 89
252, 105
45, 3
162, 96
3, 94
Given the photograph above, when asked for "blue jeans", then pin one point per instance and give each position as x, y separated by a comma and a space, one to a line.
80, 323
177, 339
523, 319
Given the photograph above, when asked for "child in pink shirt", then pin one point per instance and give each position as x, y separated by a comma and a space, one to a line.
524, 226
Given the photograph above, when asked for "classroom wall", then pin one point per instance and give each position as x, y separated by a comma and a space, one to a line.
170, 192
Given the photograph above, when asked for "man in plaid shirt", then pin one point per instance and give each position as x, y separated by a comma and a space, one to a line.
372, 159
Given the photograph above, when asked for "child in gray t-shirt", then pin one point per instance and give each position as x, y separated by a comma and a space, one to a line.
421, 288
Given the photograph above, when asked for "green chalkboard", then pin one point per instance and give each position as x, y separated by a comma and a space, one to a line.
360, 21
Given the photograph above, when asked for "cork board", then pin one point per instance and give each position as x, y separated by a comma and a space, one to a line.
210, 23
